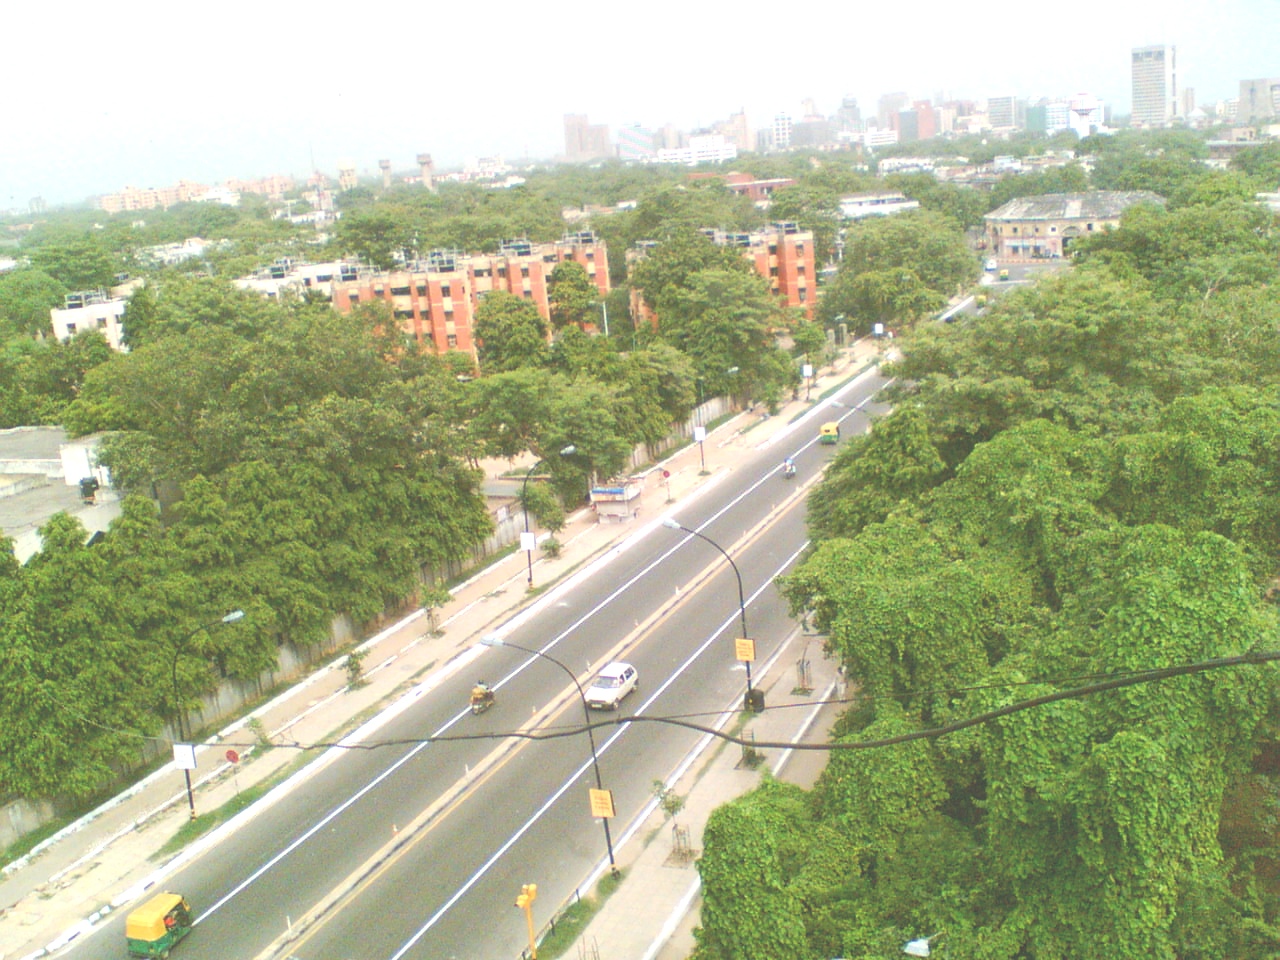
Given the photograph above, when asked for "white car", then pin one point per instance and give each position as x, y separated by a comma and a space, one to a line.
991, 264
611, 685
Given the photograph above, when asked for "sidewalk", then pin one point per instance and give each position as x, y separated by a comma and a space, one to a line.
661, 874
106, 860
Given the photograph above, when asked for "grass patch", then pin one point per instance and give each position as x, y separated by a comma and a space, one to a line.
205, 822
563, 932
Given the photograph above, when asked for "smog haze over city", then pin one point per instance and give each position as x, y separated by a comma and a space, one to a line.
144, 94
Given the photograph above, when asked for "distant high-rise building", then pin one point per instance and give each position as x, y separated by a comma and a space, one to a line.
585, 141
735, 130
848, 117
636, 143
1155, 85
887, 109
1048, 116
1259, 101
907, 125
782, 131
1002, 112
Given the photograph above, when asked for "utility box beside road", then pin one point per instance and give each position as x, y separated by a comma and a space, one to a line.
618, 501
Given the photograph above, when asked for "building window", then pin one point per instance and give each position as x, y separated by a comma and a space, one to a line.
524, 271
355, 297
502, 271
1089, 227
591, 254
799, 249
804, 295
773, 271
422, 289
800, 269
399, 291
444, 290
451, 340
1014, 229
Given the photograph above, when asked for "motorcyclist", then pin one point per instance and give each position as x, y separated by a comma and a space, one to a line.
481, 692
788, 467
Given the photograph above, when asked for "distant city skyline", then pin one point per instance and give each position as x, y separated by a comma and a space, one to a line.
125, 96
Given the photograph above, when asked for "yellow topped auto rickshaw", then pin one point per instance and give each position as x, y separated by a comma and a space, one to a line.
157, 925
830, 432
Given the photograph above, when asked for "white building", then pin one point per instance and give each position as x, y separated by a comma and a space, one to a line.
782, 131
1155, 85
297, 278
90, 310
861, 205
879, 138
706, 148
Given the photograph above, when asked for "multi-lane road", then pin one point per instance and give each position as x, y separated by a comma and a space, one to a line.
416, 849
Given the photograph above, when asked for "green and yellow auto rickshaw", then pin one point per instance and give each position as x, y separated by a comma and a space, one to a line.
157, 925
829, 433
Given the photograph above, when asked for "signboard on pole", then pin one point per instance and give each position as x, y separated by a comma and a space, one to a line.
699, 434
184, 756
744, 650
528, 541
602, 804
807, 371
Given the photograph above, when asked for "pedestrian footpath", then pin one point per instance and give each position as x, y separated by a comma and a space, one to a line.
108, 859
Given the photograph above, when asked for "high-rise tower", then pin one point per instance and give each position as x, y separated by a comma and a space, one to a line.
1155, 85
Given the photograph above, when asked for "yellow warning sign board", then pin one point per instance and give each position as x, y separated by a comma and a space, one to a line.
744, 650
602, 803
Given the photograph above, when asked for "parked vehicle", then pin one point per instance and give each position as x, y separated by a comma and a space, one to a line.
991, 265
830, 432
612, 685
153, 929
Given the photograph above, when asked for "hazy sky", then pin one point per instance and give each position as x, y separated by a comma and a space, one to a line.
138, 93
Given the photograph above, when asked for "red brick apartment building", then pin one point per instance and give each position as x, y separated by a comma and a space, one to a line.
435, 298
782, 254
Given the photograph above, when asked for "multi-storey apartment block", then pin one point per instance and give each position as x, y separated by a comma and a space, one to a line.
90, 310
434, 299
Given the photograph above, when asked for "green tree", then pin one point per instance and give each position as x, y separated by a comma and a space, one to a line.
572, 295
510, 332
908, 257
26, 297
77, 262
747, 909
723, 320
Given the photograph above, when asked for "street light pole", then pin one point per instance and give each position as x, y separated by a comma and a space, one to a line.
179, 714
524, 503
671, 524
495, 641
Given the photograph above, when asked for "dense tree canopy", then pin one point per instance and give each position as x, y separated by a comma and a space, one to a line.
1077, 484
